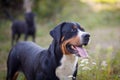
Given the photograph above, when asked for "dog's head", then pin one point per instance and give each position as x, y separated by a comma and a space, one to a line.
29, 17
71, 37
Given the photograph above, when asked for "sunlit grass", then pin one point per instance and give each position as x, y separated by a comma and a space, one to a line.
100, 66
99, 5
107, 1
102, 1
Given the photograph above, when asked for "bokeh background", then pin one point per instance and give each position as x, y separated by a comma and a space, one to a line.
101, 18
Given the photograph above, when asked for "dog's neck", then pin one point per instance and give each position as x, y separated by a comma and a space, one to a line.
56, 51
67, 67
66, 64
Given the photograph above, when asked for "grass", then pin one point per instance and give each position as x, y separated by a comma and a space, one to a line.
103, 48
101, 66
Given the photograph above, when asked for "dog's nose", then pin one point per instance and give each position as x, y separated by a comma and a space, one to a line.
85, 38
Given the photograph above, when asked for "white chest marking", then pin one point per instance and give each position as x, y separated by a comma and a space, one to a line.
67, 67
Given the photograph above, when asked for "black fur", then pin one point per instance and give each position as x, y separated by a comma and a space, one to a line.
34, 62
37, 63
26, 27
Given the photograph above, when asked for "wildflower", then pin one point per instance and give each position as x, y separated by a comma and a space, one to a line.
119, 76
93, 63
104, 64
86, 68
81, 65
84, 61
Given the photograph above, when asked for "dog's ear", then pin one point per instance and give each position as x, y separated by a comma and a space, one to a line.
57, 31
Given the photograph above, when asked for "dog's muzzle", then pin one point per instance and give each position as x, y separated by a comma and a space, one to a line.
85, 37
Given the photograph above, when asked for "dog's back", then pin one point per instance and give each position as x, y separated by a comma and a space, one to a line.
23, 54
19, 27
26, 49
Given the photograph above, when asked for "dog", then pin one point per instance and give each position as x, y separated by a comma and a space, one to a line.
58, 62
19, 27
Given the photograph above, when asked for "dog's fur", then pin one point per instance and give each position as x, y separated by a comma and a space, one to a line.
26, 27
58, 62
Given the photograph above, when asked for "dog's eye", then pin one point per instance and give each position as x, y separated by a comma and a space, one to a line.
73, 30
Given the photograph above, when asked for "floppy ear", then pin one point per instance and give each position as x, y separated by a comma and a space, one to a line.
56, 32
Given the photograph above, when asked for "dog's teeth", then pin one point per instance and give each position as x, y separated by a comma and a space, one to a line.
73, 47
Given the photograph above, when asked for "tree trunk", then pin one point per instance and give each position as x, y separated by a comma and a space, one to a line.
28, 5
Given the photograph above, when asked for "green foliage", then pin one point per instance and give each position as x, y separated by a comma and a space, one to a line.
105, 67
107, 1
43, 8
47, 8
116, 64
14, 6
80, 12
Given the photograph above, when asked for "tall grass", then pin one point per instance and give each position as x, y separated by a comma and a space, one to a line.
101, 66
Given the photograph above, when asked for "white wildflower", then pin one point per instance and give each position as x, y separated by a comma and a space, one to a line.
86, 68
84, 61
81, 65
104, 64
93, 63
119, 76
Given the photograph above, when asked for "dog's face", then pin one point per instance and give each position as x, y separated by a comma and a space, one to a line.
29, 17
71, 37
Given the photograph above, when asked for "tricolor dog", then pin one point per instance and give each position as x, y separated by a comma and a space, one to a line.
58, 62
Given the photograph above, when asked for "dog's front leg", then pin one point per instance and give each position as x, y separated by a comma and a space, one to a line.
75, 72
26, 37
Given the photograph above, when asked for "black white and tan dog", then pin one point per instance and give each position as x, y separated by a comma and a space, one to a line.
58, 62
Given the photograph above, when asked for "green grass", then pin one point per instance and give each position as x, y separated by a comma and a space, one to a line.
101, 66
103, 48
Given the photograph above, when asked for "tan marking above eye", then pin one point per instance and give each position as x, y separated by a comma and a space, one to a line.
75, 27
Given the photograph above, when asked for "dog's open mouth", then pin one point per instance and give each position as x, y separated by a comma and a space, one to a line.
78, 50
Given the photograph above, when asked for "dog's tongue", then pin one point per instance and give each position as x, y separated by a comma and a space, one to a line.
82, 52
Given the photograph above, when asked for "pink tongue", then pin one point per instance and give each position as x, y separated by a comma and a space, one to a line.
82, 52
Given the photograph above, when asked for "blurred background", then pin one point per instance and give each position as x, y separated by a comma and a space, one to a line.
101, 18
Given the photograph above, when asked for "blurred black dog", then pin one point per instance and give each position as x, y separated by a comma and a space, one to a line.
26, 27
